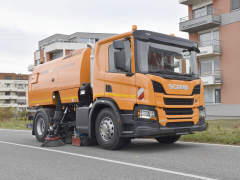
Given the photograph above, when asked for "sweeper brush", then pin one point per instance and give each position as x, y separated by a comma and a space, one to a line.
52, 142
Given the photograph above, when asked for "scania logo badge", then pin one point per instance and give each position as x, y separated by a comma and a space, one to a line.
178, 86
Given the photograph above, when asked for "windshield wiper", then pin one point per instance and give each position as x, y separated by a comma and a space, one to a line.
171, 73
164, 72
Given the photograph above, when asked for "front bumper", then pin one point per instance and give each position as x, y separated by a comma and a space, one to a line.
151, 128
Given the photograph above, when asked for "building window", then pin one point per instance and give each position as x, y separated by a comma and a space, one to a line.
210, 67
127, 49
235, 5
212, 96
21, 101
8, 77
7, 101
7, 93
7, 85
206, 68
21, 94
37, 62
209, 38
203, 11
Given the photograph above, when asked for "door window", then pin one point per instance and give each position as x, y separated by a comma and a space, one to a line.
127, 49
217, 95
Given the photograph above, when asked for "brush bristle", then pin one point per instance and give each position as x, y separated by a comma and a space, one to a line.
53, 143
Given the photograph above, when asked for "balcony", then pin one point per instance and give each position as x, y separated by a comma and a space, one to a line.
201, 21
8, 89
210, 48
211, 77
13, 105
189, 2
31, 67
8, 97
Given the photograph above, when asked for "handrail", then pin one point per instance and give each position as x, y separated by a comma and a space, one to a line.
212, 11
210, 73
210, 42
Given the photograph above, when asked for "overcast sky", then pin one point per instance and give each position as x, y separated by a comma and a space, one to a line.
24, 22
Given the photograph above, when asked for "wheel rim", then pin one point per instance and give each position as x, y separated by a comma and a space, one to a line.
40, 126
106, 129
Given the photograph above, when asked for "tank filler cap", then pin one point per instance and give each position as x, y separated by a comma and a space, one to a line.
134, 27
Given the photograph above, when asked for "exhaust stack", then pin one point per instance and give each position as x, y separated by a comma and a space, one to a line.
92, 46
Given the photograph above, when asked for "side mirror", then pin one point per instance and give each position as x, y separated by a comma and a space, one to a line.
195, 49
118, 44
120, 60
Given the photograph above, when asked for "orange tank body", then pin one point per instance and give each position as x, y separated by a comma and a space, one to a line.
64, 75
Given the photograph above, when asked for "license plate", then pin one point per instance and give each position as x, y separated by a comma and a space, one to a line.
186, 130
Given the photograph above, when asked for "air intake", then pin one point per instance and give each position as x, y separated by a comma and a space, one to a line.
158, 88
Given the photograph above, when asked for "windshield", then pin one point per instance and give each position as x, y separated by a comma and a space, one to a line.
159, 58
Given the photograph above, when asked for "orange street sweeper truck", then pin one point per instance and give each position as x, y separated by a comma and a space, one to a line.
132, 85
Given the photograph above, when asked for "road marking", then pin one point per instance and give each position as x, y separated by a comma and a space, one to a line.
113, 161
15, 130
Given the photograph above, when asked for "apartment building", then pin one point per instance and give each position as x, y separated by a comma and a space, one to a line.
215, 25
14, 91
60, 45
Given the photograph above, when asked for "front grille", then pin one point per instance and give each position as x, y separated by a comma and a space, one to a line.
178, 111
178, 101
179, 124
178, 118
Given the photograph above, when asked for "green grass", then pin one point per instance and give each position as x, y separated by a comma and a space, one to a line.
14, 124
225, 131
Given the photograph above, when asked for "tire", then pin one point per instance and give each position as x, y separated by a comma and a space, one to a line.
41, 124
107, 130
168, 139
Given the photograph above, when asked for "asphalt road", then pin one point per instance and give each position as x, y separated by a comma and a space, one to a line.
21, 157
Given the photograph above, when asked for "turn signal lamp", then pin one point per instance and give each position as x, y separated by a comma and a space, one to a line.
134, 27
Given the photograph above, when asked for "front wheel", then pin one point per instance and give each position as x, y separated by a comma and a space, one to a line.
168, 139
107, 130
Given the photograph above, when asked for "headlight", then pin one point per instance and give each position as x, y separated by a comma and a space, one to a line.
146, 114
202, 113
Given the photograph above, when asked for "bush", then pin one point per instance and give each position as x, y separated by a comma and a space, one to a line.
22, 113
6, 113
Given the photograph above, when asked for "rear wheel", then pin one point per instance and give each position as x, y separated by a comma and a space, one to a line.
107, 130
41, 124
168, 139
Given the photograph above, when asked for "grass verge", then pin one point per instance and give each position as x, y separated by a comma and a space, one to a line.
225, 131
14, 124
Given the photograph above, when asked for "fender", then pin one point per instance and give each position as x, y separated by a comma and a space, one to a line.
113, 105
34, 116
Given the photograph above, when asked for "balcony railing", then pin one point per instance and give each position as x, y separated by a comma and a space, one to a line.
215, 12
18, 103
217, 45
31, 67
217, 75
